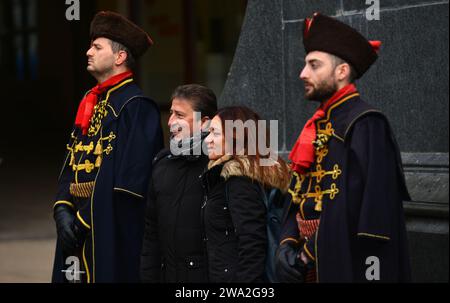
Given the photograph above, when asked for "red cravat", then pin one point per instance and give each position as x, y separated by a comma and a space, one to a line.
86, 108
303, 154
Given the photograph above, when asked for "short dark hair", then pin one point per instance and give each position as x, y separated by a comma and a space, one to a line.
203, 99
117, 47
338, 61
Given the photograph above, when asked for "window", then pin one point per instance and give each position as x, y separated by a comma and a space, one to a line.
18, 39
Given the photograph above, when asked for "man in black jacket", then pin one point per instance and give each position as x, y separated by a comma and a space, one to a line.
174, 249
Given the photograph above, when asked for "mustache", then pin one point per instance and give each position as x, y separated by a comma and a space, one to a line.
175, 128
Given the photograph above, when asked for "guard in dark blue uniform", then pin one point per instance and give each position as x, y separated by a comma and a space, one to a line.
100, 204
345, 221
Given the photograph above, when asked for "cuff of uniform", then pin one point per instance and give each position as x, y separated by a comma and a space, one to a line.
286, 240
62, 202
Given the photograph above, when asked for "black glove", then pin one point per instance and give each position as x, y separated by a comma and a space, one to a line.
288, 265
64, 219
80, 233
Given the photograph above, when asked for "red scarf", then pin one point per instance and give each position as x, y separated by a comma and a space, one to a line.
303, 152
86, 108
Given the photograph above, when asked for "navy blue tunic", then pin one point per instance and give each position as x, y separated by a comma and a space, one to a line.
115, 159
355, 188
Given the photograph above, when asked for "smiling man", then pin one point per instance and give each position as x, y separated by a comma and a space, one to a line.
100, 204
345, 222
173, 249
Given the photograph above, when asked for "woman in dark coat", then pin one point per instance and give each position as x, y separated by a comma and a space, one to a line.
234, 213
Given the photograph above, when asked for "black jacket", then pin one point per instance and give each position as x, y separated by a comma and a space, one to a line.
234, 218
173, 248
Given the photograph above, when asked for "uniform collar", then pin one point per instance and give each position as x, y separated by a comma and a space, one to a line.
336, 105
118, 96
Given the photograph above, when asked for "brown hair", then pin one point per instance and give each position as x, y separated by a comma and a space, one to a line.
242, 113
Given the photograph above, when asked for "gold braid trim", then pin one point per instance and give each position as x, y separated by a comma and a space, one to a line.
308, 253
82, 190
289, 240
61, 202
368, 235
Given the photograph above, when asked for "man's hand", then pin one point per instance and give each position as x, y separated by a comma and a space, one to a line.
80, 233
289, 267
304, 258
64, 219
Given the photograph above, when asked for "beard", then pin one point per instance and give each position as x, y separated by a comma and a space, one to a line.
322, 92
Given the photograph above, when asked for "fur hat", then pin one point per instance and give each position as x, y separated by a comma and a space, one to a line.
114, 26
323, 33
